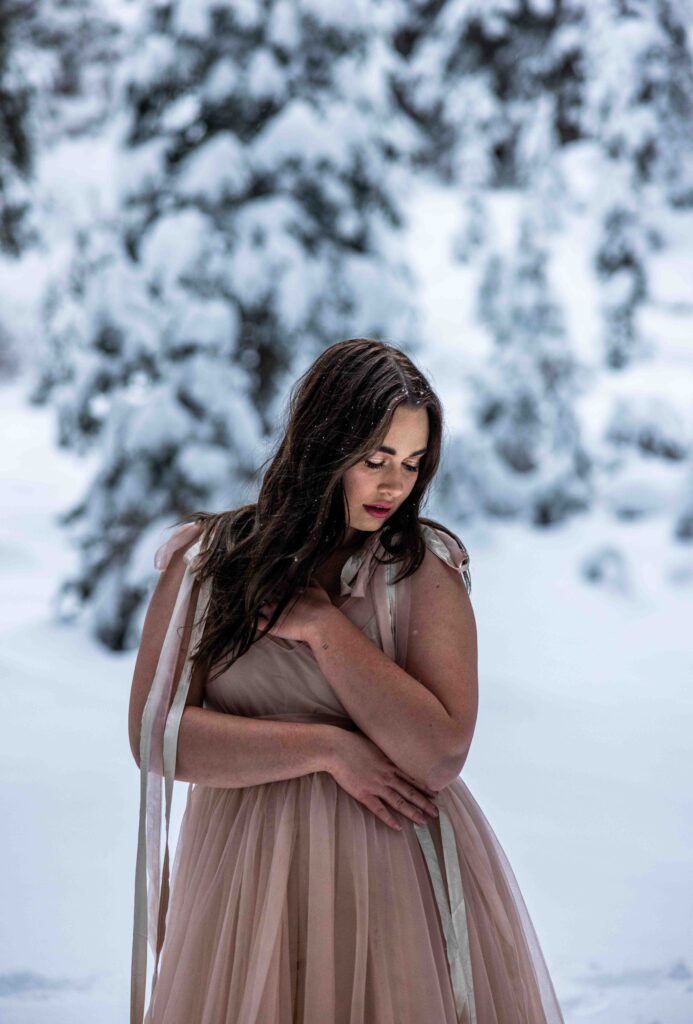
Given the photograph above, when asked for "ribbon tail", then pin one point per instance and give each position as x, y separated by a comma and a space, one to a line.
147, 867
452, 915
170, 749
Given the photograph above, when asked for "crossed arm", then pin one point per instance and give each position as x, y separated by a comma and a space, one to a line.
423, 717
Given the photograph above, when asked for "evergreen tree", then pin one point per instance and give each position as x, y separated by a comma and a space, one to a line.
79, 44
56, 66
498, 94
683, 526
489, 85
56, 61
638, 107
524, 456
495, 91
621, 260
639, 91
257, 222
16, 143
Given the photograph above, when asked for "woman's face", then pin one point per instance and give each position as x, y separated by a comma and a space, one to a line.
388, 473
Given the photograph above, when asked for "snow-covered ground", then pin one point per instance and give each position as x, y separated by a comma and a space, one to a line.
581, 758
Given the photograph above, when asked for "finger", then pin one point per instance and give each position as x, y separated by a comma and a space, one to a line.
382, 812
409, 809
420, 800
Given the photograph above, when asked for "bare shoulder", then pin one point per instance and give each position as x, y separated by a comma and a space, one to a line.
436, 584
441, 614
446, 558
445, 544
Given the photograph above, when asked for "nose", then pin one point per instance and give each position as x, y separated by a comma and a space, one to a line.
391, 486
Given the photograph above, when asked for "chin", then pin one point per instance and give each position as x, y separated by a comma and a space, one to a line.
371, 523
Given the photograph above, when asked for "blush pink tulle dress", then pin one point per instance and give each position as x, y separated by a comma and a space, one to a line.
290, 901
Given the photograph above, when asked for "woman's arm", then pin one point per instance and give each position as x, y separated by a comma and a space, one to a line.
422, 718
215, 748
231, 751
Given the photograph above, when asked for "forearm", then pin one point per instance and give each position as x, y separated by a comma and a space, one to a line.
394, 709
232, 751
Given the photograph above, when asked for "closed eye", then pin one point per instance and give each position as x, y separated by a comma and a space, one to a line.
379, 465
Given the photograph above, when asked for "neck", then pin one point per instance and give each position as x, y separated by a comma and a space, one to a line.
353, 539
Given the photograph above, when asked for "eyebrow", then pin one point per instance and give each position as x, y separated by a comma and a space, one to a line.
391, 451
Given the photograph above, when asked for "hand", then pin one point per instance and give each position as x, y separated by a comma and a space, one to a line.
307, 610
361, 768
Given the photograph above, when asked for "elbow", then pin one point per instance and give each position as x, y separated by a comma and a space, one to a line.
448, 767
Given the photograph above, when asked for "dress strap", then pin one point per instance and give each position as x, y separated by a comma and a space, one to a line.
384, 603
158, 742
449, 551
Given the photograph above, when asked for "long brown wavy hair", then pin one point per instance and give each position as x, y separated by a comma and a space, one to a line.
339, 410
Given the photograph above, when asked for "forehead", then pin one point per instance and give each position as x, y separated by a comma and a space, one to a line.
408, 430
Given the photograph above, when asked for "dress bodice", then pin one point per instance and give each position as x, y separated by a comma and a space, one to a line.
277, 677
282, 677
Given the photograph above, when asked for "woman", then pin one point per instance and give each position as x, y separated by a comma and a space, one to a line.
308, 663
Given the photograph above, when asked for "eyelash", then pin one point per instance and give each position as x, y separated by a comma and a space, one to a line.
378, 465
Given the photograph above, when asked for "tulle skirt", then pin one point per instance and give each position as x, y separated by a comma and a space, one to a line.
292, 903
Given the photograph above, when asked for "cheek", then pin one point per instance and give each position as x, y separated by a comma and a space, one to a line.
356, 485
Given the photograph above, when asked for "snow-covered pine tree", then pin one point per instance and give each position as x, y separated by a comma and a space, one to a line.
638, 108
495, 91
683, 526
638, 95
18, 146
646, 443
479, 81
524, 458
56, 60
16, 135
257, 222
500, 92
620, 260
78, 44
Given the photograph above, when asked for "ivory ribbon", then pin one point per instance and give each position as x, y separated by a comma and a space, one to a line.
158, 742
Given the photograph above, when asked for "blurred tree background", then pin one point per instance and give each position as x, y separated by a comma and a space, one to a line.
197, 196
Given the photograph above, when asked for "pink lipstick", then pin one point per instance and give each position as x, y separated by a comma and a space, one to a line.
378, 511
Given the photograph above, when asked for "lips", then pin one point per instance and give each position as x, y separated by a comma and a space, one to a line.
379, 511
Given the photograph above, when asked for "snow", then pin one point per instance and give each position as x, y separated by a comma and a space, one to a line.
219, 167
582, 754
